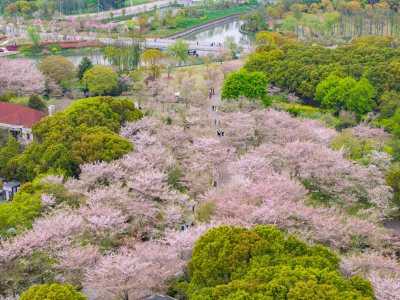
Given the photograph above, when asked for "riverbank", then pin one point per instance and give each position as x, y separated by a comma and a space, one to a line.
203, 26
211, 17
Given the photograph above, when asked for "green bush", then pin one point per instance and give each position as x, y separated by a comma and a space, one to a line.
52, 292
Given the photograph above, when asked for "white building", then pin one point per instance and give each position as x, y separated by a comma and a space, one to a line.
19, 119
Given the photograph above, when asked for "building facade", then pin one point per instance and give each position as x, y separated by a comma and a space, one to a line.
18, 120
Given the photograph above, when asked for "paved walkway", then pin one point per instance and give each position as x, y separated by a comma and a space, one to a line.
224, 174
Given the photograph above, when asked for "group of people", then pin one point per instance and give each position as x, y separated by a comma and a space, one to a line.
210, 93
214, 108
216, 44
220, 132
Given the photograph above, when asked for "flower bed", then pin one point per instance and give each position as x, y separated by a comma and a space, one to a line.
54, 43
3, 37
81, 45
12, 48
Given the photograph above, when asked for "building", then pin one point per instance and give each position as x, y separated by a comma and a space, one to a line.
19, 119
10, 189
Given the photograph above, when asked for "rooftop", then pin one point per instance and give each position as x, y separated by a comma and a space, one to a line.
17, 114
12, 184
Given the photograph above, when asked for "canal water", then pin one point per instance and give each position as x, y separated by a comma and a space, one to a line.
215, 34
219, 32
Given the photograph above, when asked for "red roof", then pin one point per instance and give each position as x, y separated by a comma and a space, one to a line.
17, 114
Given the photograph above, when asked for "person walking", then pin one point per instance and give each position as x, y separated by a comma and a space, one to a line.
216, 108
212, 107
219, 132
215, 122
222, 132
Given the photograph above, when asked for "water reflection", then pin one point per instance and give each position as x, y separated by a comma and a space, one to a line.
219, 32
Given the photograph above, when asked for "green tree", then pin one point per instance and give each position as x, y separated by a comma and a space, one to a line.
263, 61
21, 212
84, 65
57, 68
57, 159
10, 150
231, 45
389, 103
37, 103
331, 21
242, 83
361, 98
52, 7
99, 144
34, 36
101, 81
179, 49
336, 93
264, 263
395, 124
289, 23
52, 292
393, 180
153, 59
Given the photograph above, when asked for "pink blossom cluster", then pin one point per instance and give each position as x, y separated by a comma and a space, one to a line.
21, 77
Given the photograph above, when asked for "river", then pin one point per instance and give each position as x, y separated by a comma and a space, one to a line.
218, 33
214, 34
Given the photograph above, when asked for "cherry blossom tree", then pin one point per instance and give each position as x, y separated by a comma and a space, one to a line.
240, 129
50, 232
21, 77
134, 273
73, 262
119, 273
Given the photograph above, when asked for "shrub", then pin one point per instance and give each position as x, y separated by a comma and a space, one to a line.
52, 292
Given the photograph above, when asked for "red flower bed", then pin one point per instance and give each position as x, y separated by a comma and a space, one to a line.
3, 37
54, 43
12, 48
81, 45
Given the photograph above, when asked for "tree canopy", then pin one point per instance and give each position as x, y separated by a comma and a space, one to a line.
57, 68
101, 81
251, 85
52, 292
264, 263
84, 65
153, 59
179, 49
